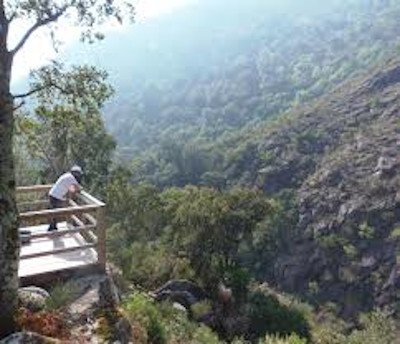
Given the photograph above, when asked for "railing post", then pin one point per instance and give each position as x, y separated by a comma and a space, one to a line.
101, 236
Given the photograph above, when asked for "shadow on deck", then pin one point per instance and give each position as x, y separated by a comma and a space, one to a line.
77, 248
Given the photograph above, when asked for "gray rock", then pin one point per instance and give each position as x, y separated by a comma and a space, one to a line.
385, 166
97, 291
28, 338
123, 331
33, 298
368, 262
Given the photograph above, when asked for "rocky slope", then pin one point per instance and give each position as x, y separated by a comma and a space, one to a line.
342, 156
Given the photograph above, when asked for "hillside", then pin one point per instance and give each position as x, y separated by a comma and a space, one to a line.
340, 157
320, 158
280, 61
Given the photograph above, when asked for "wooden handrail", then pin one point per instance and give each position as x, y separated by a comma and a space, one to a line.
101, 235
89, 235
60, 233
33, 203
90, 199
88, 217
57, 251
34, 188
88, 220
57, 213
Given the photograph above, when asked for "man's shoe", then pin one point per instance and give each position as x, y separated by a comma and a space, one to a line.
25, 237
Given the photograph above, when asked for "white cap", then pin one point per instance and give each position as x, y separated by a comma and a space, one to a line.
76, 168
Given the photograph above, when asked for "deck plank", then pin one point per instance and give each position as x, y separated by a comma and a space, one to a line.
50, 263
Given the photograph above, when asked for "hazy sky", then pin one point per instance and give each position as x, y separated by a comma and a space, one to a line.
39, 50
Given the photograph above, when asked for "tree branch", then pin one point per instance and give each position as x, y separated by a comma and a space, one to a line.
41, 88
27, 94
20, 105
12, 17
42, 22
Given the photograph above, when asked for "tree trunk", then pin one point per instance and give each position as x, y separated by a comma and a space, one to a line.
9, 241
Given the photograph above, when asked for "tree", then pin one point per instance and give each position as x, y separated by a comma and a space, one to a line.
211, 226
86, 14
67, 126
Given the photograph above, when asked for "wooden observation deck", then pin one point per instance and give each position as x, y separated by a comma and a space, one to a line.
77, 247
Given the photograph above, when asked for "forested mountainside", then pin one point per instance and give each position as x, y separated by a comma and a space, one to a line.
316, 216
279, 60
340, 157
330, 163
263, 187
320, 156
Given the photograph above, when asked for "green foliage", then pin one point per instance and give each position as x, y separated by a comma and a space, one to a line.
149, 265
366, 232
201, 308
84, 14
164, 324
144, 312
137, 210
376, 327
395, 233
183, 132
268, 315
62, 295
209, 226
193, 232
332, 241
350, 251
373, 328
203, 335
292, 339
66, 127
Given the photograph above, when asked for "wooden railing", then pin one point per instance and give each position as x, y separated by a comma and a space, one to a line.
84, 215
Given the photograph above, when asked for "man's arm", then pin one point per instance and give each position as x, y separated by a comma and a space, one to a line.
74, 189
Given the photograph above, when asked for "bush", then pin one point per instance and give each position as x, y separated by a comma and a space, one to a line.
144, 313
292, 339
46, 323
62, 295
151, 265
203, 335
268, 315
161, 323
376, 328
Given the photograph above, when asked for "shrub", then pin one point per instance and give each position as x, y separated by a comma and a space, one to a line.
201, 308
366, 232
376, 328
268, 315
46, 323
203, 335
161, 323
292, 339
395, 234
145, 313
151, 265
61, 295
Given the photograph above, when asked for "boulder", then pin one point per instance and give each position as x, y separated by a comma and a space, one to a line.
28, 338
33, 298
385, 166
180, 289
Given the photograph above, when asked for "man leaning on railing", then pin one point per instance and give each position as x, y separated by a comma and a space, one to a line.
66, 185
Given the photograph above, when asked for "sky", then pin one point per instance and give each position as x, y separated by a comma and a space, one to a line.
39, 50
